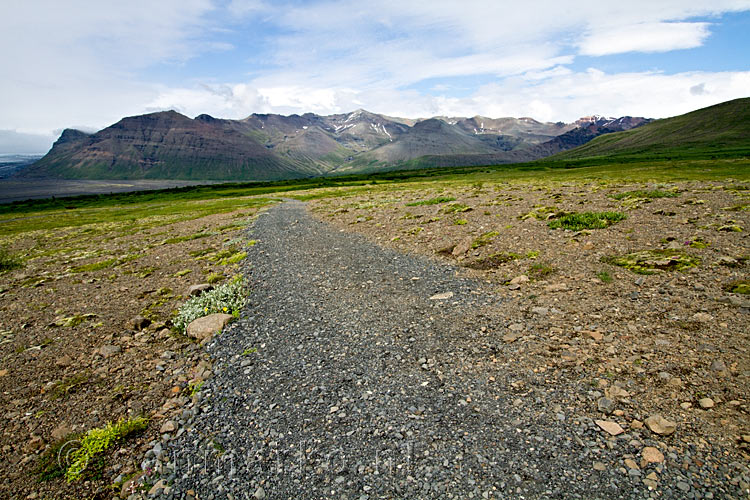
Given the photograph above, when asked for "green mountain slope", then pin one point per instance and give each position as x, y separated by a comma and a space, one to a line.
718, 131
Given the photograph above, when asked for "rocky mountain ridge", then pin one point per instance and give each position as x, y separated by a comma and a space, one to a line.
169, 145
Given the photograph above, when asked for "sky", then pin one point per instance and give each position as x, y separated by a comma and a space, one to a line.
86, 64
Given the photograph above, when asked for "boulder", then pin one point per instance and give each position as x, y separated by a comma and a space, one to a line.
203, 328
139, 323
196, 290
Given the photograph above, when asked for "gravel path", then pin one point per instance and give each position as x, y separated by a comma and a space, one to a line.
368, 384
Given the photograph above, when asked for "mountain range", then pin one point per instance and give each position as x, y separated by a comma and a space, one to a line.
169, 145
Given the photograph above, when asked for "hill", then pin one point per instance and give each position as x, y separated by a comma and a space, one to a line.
168, 145
722, 130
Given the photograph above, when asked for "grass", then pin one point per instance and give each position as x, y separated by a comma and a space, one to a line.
431, 201
587, 220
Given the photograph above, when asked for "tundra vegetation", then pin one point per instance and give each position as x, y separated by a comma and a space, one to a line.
94, 292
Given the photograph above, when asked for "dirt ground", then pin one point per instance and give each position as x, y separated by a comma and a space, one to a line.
673, 343
72, 355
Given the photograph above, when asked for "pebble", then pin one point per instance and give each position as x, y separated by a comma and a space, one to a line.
660, 425
652, 455
706, 403
613, 428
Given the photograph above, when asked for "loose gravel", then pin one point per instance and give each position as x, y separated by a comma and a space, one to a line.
357, 372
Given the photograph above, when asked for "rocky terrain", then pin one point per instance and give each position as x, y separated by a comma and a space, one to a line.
84, 340
485, 352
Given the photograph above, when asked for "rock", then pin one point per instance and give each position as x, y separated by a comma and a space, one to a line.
516, 327
60, 432
557, 287
138, 323
746, 438
463, 247
597, 336
616, 392
605, 405
599, 466
686, 405
630, 464
612, 428
34, 444
652, 455
196, 290
109, 350
442, 296
129, 486
706, 403
519, 279
718, 365
702, 317
160, 484
168, 427
512, 337
259, 493
660, 425
636, 424
541, 311
203, 328
3, 372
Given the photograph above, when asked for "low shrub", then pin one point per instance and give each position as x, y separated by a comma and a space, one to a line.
227, 298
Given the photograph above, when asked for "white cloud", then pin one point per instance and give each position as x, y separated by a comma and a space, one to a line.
644, 37
91, 63
557, 96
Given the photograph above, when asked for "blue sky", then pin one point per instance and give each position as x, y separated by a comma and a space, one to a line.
87, 64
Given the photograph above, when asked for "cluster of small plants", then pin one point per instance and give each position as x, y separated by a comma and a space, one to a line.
587, 220
227, 298
97, 440
431, 201
8, 261
639, 193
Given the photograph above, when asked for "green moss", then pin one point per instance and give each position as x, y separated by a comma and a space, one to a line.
460, 222
738, 286
431, 201
655, 193
484, 239
456, 208
730, 228
97, 440
653, 261
73, 321
184, 272
233, 259
9, 261
94, 266
699, 243
587, 220
493, 261
604, 277
69, 385
540, 270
